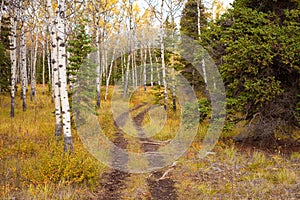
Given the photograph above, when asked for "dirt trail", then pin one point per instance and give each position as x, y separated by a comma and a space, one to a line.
159, 188
113, 183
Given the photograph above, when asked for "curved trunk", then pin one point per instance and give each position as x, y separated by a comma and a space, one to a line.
109, 73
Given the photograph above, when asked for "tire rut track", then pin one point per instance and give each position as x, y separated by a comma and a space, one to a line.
158, 188
113, 182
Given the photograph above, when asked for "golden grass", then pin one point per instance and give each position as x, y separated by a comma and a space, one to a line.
33, 165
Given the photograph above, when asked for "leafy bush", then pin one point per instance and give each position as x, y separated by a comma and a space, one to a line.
56, 166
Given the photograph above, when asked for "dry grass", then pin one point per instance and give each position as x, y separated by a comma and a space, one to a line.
33, 165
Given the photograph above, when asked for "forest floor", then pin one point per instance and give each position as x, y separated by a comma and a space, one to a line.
34, 166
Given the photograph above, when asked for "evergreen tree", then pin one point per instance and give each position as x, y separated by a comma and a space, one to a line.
79, 47
258, 52
189, 20
5, 65
189, 27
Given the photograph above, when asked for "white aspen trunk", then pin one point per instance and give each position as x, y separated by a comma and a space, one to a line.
98, 69
151, 65
18, 70
145, 69
13, 58
199, 17
172, 57
104, 63
132, 70
157, 71
34, 63
43, 65
123, 61
162, 50
55, 72
135, 79
61, 41
23, 62
126, 77
199, 35
142, 64
98, 57
109, 73
50, 69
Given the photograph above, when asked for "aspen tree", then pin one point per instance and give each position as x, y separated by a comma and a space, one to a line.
13, 57
55, 74
23, 65
34, 63
61, 41
199, 4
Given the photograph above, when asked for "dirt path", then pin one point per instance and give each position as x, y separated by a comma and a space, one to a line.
159, 188
113, 182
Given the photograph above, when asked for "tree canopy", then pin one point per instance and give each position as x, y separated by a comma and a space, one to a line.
257, 49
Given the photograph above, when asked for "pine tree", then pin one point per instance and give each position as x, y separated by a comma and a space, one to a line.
189, 19
79, 47
5, 65
257, 48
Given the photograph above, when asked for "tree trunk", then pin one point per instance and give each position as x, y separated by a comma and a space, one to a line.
43, 72
199, 35
109, 73
98, 69
145, 69
151, 66
23, 67
158, 72
61, 41
13, 57
55, 74
162, 50
33, 77
126, 77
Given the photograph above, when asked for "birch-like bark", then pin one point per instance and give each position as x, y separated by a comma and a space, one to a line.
23, 62
123, 60
132, 70
145, 69
158, 72
61, 41
98, 69
162, 50
55, 72
13, 57
199, 35
126, 76
171, 7
135, 79
109, 73
43, 70
33, 77
151, 65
